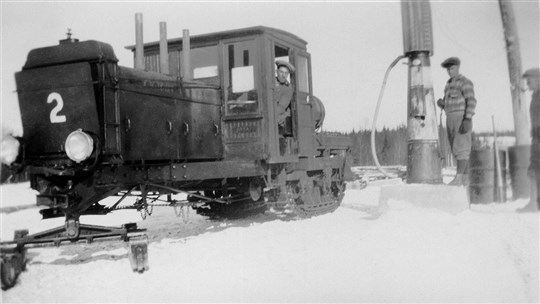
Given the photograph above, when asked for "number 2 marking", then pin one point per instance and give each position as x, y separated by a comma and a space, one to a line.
55, 118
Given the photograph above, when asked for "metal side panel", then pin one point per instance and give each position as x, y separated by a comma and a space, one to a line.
149, 127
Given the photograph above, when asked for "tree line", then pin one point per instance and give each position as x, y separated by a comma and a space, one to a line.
391, 145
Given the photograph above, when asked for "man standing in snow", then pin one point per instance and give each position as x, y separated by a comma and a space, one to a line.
532, 76
459, 104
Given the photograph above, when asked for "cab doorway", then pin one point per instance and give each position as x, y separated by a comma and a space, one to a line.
284, 100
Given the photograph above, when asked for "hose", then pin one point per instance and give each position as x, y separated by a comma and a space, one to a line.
373, 130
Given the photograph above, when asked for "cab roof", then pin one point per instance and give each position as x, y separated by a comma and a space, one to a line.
204, 39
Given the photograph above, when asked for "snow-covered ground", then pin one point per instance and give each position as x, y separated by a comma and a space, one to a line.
359, 253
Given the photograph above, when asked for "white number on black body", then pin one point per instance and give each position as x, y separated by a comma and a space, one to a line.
55, 118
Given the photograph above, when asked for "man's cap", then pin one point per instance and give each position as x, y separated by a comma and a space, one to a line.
532, 73
450, 62
280, 63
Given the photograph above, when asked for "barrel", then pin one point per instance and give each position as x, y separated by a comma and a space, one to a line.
518, 163
483, 176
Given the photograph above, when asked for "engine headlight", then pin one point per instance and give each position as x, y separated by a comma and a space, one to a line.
10, 150
79, 146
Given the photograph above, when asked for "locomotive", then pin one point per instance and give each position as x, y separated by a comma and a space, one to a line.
207, 128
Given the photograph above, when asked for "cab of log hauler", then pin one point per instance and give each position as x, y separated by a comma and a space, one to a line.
242, 65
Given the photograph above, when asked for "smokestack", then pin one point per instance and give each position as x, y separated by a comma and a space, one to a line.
139, 51
163, 49
186, 50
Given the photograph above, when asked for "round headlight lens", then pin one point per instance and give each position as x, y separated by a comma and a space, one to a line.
79, 146
10, 150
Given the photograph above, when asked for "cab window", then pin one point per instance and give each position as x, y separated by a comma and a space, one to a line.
281, 53
241, 87
204, 64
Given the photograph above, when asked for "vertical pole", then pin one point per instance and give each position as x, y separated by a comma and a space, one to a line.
424, 159
520, 151
498, 170
521, 118
186, 50
163, 49
139, 51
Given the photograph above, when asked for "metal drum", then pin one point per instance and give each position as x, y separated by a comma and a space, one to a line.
519, 159
483, 176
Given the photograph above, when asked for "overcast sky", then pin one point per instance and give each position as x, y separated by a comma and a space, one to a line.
351, 44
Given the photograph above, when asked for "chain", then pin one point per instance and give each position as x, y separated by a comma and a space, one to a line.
187, 204
148, 209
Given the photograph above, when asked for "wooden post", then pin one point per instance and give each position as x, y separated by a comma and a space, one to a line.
521, 115
498, 170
